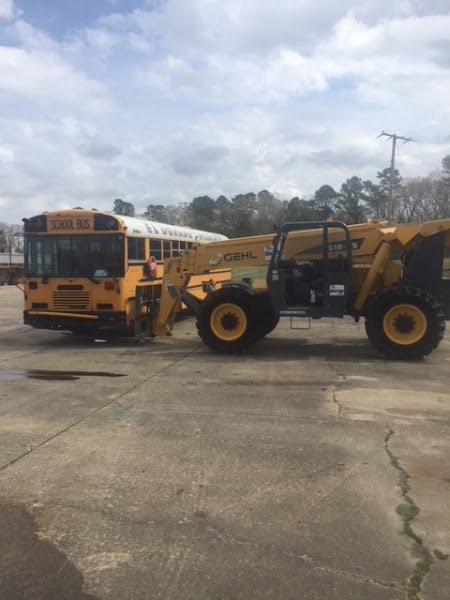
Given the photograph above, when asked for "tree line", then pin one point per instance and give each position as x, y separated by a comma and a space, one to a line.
357, 201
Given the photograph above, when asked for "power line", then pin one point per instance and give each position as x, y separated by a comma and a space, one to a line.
394, 137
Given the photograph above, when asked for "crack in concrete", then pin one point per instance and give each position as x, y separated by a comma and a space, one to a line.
371, 581
334, 399
336, 571
340, 378
408, 511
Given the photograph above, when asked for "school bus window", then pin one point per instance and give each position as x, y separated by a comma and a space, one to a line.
155, 249
166, 247
75, 256
176, 248
136, 249
39, 257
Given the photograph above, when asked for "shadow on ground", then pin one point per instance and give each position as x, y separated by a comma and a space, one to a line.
31, 568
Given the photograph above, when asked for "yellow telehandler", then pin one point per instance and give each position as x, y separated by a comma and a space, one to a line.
396, 276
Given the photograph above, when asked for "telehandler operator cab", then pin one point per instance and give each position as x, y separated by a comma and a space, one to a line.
310, 279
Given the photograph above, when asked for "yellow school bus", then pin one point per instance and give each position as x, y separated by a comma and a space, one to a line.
82, 267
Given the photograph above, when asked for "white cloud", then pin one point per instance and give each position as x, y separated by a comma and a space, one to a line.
401, 37
43, 78
6, 9
101, 39
176, 99
27, 36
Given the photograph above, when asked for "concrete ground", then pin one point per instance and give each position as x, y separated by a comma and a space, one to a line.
310, 468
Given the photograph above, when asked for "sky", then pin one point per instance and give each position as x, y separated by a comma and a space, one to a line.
160, 101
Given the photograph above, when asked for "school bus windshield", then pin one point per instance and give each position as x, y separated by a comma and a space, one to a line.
74, 256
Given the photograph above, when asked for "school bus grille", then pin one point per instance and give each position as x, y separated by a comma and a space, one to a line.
71, 300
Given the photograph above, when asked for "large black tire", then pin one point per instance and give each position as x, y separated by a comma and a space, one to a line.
266, 320
227, 320
405, 322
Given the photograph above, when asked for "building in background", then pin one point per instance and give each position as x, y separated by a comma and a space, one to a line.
11, 267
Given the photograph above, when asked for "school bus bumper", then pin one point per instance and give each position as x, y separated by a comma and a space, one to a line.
47, 313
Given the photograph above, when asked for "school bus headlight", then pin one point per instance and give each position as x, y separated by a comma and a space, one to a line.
33, 285
110, 285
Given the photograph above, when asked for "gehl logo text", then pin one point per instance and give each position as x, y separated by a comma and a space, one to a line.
236, 256
232, 257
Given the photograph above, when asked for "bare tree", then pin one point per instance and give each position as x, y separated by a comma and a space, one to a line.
11, 238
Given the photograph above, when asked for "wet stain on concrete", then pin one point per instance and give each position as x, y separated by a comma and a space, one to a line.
31, 568
20, 375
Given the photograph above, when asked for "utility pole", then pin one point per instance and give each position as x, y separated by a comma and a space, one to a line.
394, 137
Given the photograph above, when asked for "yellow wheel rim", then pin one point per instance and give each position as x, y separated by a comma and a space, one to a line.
405, 324
228, 322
